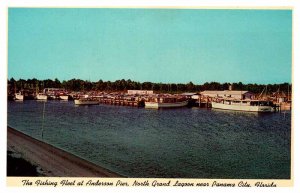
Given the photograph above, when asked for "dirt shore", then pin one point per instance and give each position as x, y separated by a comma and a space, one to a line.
51, 161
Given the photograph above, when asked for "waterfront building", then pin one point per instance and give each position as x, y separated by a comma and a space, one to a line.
236, 94
53, 90
140, 92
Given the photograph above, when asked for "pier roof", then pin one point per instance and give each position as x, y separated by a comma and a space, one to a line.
225, 92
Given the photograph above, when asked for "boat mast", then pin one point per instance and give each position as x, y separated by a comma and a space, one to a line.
37, 88
261, 93
43, 120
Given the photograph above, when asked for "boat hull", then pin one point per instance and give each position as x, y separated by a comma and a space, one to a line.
156, 105
41, 97
85, 102
242, 107
19, 97
64, 97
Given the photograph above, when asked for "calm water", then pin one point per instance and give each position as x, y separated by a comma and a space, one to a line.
185, 142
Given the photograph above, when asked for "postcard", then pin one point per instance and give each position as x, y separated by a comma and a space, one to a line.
150, 97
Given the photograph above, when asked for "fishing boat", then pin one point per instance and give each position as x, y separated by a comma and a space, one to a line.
41, 96
244, 105
64, 97
86, 101
19, 96
166, 102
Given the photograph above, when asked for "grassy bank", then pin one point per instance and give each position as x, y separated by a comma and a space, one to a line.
18, 166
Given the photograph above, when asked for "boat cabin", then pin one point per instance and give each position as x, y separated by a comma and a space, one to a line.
167, 99
236, 94
247, 102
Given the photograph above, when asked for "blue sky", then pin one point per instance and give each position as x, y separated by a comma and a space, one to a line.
158, 45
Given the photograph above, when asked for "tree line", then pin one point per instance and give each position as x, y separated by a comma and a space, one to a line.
123, 85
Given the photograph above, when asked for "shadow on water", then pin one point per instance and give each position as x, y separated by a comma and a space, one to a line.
245, 113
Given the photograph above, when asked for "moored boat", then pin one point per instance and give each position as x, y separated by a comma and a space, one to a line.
86, 101
19, 96
64, 97
166, 102
244, 105
41, 96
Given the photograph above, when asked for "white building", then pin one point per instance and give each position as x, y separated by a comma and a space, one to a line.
53, 90
236, 94
140, 92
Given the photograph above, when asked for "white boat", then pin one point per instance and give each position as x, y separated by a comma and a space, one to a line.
41, 96
86, 101
244, 105
166, 103
19, 96
64, 97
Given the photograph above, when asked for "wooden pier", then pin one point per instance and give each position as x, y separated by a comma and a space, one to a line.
203, 102
278, 107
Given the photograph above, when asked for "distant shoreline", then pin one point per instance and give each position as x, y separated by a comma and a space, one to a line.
78, 85
50, 160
